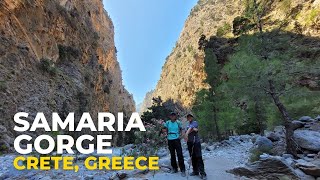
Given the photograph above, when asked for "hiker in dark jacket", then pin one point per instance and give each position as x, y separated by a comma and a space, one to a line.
194, 147
174, 130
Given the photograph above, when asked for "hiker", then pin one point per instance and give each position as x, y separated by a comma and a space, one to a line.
174, 130
194, 147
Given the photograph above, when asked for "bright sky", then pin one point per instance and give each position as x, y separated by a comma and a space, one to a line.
145, 33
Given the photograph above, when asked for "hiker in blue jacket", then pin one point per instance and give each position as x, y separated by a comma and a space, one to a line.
193, 140
174, 130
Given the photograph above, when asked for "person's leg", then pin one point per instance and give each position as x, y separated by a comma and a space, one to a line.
193, 162
180, 155
199, 160
196, 152
201, 166
171, 145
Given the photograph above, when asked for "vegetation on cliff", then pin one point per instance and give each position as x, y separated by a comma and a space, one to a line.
257, 62
257, 78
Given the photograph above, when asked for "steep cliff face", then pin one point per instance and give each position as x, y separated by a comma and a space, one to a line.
147, 102
183, 72
57, 56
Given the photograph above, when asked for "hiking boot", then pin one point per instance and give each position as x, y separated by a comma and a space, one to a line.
183, 174
194, 174
203, 176
173, 171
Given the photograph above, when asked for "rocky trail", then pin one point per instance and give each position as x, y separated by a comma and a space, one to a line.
216, 168
218, 157
221, 159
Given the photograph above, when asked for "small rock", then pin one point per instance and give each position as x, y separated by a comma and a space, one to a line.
308, 159
311, 155
303, 163
211, 148
297, 124
317, 118
118, 175
280, 131
88, 177
245, 138
286, 156
204, 145
263, 144
273, 136
162, 153
305, 119
165, 162
264, 156
3, 129
128, 146
165, 169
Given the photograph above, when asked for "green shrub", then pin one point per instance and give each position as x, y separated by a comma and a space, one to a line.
150, 141
255, 154
3, 86
242, 25
312, 16
190, 48
48, 66
68, 53
285, 6
3, 149
223, 30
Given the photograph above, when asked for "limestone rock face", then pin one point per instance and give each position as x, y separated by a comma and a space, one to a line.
183, 72
147, 102
58, 56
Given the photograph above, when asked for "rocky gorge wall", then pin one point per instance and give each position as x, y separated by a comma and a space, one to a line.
183, 72
58, 56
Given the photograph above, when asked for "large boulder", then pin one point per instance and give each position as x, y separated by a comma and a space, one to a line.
309, 168
263, 144
307, 139
272, 167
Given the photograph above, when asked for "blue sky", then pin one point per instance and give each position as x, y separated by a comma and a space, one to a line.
145, 33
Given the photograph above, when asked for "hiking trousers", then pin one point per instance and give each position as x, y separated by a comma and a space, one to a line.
196, 157
175, 147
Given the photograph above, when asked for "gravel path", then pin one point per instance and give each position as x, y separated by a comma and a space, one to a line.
215, 168
223, 157
218, 158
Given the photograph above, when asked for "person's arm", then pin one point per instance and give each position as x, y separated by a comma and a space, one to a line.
192, 127
189, 130
164, 127
181, 133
